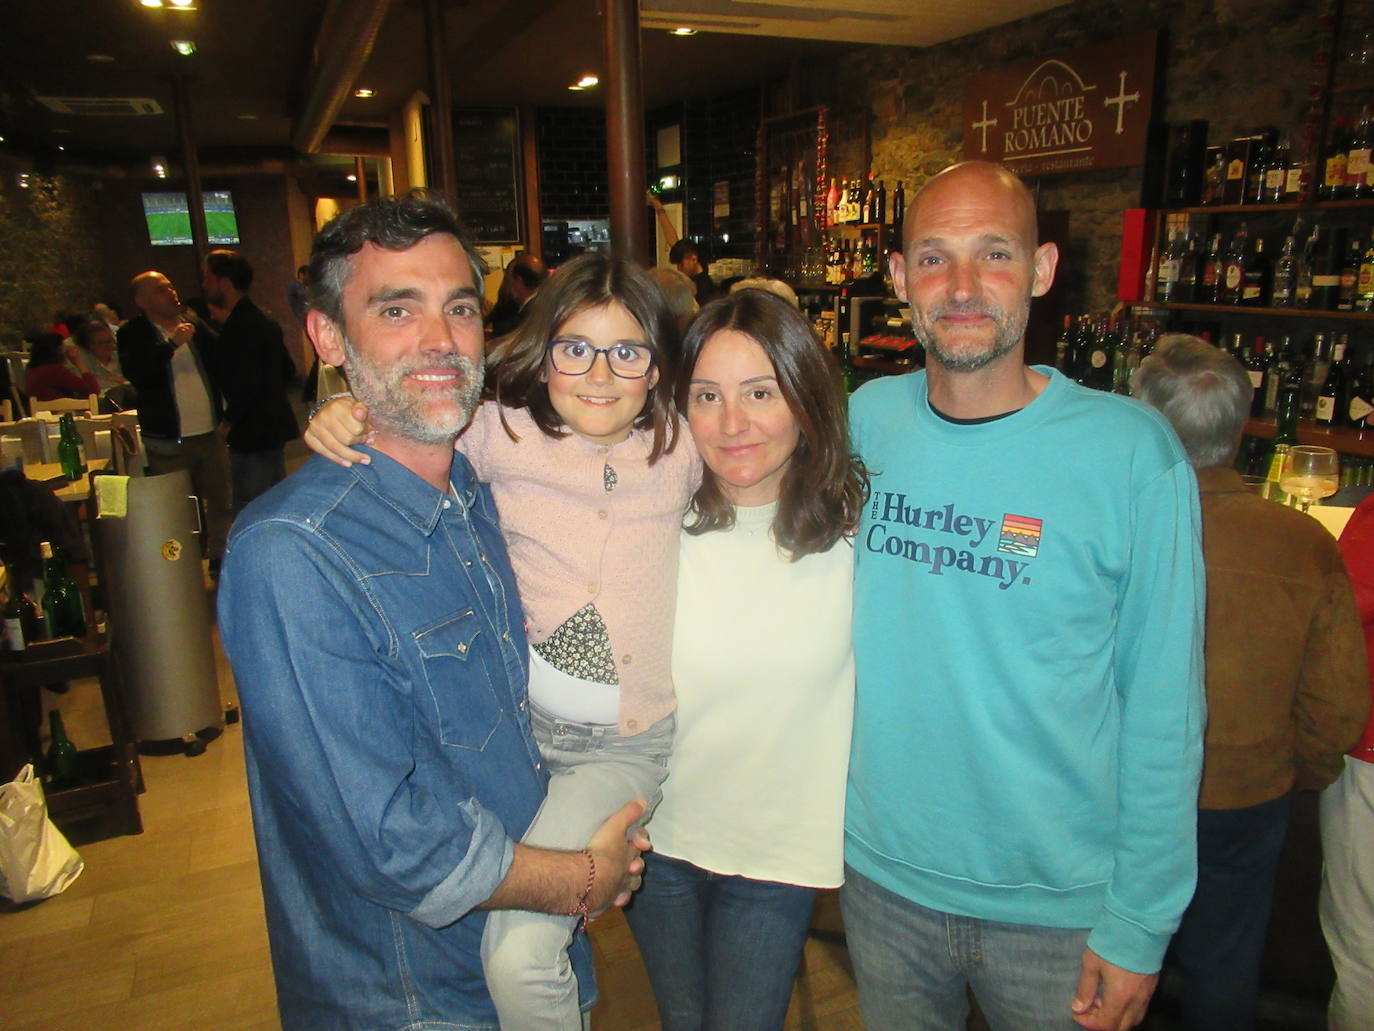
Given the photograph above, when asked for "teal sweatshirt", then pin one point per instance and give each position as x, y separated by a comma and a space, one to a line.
1028, 639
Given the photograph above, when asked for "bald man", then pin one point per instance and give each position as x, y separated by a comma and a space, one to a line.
1028, 638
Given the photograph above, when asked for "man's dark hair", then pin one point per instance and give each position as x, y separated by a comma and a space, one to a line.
525, 270
391, 223
230, 265
679, 252
89, 329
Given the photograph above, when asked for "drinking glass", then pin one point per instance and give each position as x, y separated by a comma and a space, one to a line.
1309, 473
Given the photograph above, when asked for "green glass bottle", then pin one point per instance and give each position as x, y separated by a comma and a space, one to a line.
62, 606
70, 450
61, 753
1285, 437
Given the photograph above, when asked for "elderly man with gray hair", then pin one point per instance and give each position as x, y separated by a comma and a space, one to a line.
1287, 688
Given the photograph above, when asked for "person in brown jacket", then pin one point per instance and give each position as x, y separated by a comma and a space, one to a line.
1287, 687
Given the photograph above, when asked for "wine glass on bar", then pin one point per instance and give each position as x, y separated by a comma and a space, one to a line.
1310, 473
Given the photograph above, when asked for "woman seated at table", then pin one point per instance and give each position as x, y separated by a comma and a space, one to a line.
48, 377
95, 355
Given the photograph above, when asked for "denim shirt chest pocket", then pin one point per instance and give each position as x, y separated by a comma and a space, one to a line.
457, 658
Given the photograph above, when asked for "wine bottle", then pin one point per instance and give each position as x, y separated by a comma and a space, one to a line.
879, 204
1284, 284
1326, 273
1333, 392
898, 211
1364, 283
14, 636
1213, 275
1360, 407
1333, 175
61, 753
1098, 374
1314, 372
1285, 437
62, 607
1255, 365
1278, 370
1350, 276
1359, 176
1254, 287
1233, 273
1166, 274
1276, 172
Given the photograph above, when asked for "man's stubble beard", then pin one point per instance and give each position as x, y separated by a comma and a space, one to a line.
391, 408
1011, 329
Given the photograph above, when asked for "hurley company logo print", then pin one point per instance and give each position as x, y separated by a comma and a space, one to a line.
947, 540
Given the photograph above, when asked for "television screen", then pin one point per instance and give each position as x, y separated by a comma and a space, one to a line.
169, 218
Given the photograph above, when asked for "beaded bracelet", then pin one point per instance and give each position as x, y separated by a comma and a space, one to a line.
580, 909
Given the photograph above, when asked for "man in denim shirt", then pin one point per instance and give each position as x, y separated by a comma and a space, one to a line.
373, 624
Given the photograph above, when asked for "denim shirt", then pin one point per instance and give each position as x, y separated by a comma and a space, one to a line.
376, 637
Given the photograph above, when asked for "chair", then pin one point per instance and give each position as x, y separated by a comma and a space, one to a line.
87, 406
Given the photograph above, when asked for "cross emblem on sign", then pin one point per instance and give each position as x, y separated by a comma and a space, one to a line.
1121, 99
984, 126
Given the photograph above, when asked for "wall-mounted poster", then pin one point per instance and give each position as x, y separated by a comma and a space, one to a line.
1087, 108
486, 145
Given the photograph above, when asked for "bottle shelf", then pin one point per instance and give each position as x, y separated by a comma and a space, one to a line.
1245, 309
1242, 209
1353, 87
1346, 441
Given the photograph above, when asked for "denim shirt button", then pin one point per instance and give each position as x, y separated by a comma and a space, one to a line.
447, 503
506, 636
522, 704
462, 648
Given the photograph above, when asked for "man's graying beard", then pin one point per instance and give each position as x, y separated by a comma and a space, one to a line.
1010, 330
391, 407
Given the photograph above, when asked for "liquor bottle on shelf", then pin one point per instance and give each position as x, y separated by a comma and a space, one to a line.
1364, 283
1061, 345
879, 213
1254, 285
1214, 178
1278, 370
898, 212
1360, 406
1333, 174
1284, 283
1359, 176
1326, 273
1314, 372
1350, 276
1213, 274
832, 202
1276, 172
61, 757
1296, 180
62, 606
1255, 365
1285, 436
1256, 168
1233, 272
1188, 262
1098, 372
1166, 273
1333, 394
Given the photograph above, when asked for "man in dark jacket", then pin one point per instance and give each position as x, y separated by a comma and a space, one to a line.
168, 354
255, 370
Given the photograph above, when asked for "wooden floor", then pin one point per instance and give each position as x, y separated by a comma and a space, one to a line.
165, 929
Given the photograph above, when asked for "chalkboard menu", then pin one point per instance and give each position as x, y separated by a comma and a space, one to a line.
486, 144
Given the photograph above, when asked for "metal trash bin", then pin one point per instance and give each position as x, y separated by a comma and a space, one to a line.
160, 614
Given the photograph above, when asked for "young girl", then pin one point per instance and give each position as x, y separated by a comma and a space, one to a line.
580, 444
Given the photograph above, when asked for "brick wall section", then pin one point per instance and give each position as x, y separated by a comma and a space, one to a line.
1233, 62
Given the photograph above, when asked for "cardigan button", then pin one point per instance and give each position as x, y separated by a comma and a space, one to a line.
631, 724
591, 588
602, 514
625, 659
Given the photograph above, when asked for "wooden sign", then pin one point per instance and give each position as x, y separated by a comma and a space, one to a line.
486, 143
1087, 108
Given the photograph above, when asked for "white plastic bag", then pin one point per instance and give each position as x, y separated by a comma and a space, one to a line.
36, 861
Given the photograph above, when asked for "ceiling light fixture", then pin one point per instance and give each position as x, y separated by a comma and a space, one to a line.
588, 81
159, 166
682, 30
23, 180
351, 177
184, 47
182, 5
364, 92
151, 3
248, 118
100, 58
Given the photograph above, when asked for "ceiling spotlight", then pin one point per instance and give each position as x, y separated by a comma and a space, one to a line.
182, 5
682, 30
184, 47
248, 118
588, 81
351, 177
364, 93
23, 180
100, 58
2, 139
60, 147
159, 166
151, 3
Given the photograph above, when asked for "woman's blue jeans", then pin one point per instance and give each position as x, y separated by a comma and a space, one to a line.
721, 951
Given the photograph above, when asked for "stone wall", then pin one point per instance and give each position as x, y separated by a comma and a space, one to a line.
50, 260
1235, 63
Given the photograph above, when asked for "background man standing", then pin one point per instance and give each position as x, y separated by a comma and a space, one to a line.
1028, 641
1287, 687
255, 370
377, 641
168, 354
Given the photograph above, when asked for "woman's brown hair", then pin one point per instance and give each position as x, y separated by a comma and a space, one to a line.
825, 485
515, 377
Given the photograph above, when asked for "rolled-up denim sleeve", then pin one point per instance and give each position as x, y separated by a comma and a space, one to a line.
338, 752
